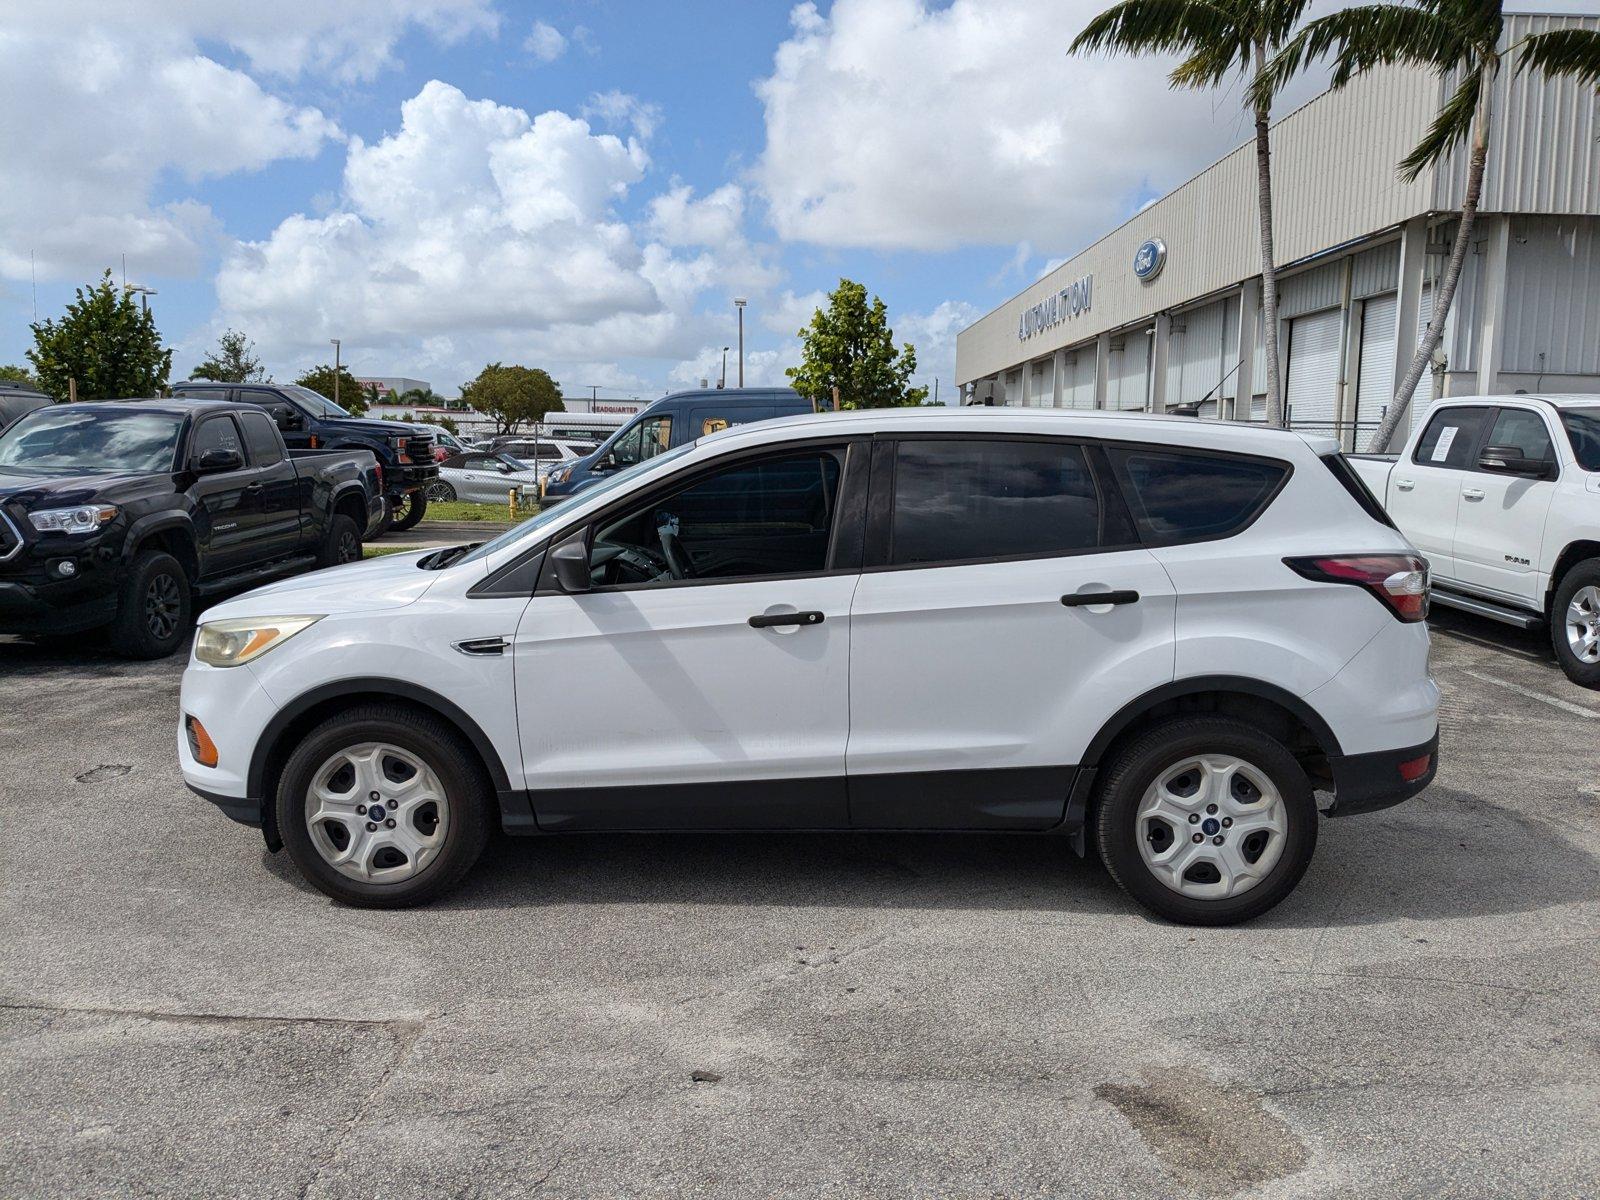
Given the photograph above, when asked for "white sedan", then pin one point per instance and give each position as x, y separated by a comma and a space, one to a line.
483, 476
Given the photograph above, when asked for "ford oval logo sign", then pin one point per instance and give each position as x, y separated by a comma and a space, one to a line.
1149, 258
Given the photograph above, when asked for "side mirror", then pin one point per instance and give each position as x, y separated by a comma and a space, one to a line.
215, 462
571, 560
285, 417
1509, 460
604, 463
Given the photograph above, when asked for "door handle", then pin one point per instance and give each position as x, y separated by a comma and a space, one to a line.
1405, 485
1085, 599
769, 620
255, 487
1472, 493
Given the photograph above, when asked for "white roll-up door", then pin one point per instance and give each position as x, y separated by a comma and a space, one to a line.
1375, 378
1078, 389
1313, 389
1126, 386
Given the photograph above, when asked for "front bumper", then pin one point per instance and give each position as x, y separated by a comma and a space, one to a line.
408, 477
235, 711
29, 608
1369, 782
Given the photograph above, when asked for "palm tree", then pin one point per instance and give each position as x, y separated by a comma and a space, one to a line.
1218, 38
1459, 40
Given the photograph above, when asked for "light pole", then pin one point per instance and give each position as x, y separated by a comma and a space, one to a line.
738, 302
143, 292
723, 381
335, 342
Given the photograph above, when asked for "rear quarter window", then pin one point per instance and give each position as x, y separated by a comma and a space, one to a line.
1185, 496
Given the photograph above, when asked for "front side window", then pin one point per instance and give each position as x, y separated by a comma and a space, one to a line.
65, 439
1524, 430
1583, 431
216, 433
643, 442
1450, 438
957, 500
769, 517
1178, 496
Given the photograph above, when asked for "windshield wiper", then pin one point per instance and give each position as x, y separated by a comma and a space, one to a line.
442, 558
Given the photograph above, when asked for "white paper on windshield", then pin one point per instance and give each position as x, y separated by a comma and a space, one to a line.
1443, 448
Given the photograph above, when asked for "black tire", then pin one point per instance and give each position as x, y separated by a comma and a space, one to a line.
341, 544
414, 505
441, 491
1585, 575
1137, 766
154, 607
471, 802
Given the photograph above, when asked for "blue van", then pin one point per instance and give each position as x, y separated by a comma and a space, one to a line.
672, 421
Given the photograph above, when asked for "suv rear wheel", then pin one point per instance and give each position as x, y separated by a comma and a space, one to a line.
1206, 820
383, 807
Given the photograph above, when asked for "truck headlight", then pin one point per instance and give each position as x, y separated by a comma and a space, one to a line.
559, 475
84, 519
229, 643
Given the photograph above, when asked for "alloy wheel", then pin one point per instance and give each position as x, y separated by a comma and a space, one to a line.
163, 605
349, 547
377, 813
1583, 624
1212, 826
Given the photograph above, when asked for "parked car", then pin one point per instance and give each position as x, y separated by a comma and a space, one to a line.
1154, 632
1502, 496
543, 454
482, 477
17, 400
119, 514
672, 421
309, 420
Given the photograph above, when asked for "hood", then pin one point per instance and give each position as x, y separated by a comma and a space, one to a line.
372, 427
392, 581
63, 491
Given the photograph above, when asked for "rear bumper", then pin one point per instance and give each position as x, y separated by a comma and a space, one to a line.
1368, 782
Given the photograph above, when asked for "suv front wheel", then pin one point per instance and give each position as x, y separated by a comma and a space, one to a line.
1206, 820
383, 807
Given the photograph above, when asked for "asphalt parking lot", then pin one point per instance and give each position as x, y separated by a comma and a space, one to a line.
837, 1015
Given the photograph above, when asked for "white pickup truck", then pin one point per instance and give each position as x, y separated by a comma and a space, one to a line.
1502, 496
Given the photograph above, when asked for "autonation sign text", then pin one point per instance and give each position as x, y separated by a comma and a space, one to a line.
1070, 301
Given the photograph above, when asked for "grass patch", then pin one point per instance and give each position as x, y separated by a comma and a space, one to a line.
466, 510
371, 551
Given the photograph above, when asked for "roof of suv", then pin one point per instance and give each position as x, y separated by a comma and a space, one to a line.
1130, 426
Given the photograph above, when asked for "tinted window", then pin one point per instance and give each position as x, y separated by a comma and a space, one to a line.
261, 436
957, 500
771, 517
216, 433
1179, 496
66, 439
1356, 486
1583, 431
1450, 438
1525, 430
644, 441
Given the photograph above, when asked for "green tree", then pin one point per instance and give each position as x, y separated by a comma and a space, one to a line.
513, 395
353, 397
11, 373
850, 346
233, 361
1218, 39
419, 398
1458, 40
106, 341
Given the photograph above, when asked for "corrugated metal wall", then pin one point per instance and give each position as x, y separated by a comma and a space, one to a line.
1553, 297
1311, 290
1375, 271
1195, 353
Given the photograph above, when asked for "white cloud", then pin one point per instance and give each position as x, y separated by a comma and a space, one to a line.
617, 110
897, 124
475, 232
100, 103
934, 335
545, 42
788, 314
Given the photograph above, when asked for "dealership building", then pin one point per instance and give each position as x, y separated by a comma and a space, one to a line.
1164, 313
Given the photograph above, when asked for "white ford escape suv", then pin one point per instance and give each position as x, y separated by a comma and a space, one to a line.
1154, 632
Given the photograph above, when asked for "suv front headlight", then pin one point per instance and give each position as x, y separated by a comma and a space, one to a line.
230, 643
84, 519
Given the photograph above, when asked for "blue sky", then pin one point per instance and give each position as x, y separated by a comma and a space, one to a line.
579, 186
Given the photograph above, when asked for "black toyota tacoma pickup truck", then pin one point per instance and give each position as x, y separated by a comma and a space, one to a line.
118, 514
309, 420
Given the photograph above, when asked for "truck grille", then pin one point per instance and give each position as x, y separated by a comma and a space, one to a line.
10, 539
419, 448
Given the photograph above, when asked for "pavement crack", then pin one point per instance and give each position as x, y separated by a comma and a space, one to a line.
1446, 979
202, 1018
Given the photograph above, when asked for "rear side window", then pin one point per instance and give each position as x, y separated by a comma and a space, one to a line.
1357, 487
957, 501
1450, 438
266, 447
1185, 496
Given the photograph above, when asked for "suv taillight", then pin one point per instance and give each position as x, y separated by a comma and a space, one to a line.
1399, 580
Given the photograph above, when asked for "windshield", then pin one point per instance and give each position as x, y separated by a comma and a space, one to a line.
67, 440
551, 516
314, 403
1583, 431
